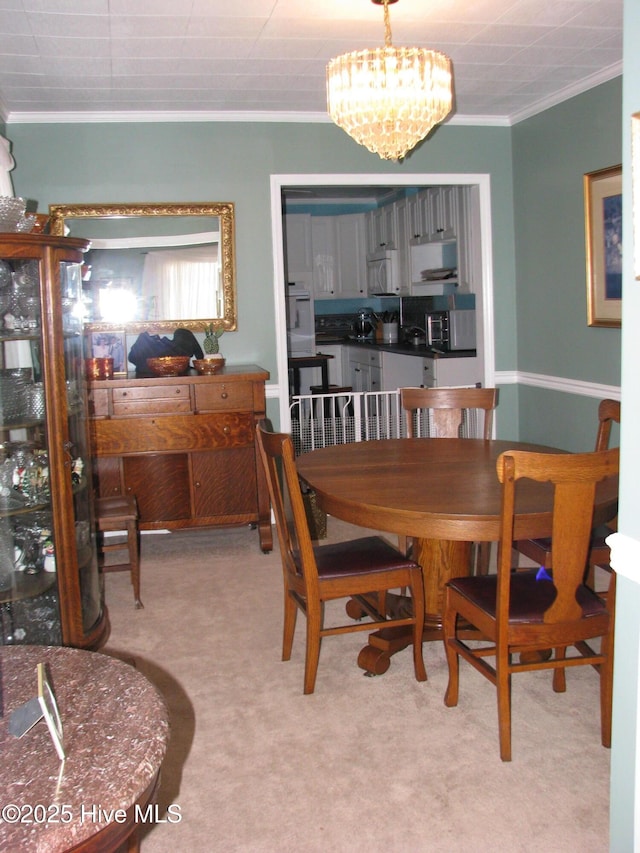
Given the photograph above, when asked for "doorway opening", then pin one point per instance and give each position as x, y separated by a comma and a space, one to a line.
337, 187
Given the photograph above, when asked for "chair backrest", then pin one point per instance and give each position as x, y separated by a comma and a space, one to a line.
608, 413
448, 408
573, 478
294, 537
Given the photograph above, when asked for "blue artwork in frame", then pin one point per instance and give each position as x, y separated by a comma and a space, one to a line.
612, 217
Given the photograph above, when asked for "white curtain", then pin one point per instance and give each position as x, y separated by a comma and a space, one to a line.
181, 283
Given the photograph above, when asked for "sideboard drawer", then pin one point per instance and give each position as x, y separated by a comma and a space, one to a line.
173, 433
145, 400
218, 396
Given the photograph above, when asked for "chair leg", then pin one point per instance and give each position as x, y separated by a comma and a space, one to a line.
606, 669
290, 616
417, 598
453, 660
133, 540
560, 674
315, 616
606, 690
503, 687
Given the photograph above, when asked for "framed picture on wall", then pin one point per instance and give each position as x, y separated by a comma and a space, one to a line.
603, 227
110, 345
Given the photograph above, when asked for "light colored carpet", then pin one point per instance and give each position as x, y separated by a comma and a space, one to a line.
363, 764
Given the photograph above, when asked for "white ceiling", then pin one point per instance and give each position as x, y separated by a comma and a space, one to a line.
267, 58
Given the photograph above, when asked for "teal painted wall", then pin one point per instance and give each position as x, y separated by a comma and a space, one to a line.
233, 162
553, 338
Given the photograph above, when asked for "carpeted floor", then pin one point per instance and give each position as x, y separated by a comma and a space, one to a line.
363, 764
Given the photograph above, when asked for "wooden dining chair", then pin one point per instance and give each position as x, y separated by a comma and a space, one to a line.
540, 550
517, 614
448, 413
313, 575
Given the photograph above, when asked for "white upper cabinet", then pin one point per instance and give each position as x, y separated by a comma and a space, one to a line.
381, 229
297, 246
404, 235
429, 229
339, 256
433, 214
325, 256
352, 257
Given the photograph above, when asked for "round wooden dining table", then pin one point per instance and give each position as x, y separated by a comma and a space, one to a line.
442, 492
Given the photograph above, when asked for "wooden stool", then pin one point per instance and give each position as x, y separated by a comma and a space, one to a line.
121, 514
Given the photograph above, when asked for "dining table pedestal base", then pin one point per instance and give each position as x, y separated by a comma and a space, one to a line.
441, 560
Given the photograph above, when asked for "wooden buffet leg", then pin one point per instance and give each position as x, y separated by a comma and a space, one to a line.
441, 560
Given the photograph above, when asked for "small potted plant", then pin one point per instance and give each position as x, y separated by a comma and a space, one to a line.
211, 345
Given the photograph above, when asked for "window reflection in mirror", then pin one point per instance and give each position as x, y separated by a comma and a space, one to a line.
153, 267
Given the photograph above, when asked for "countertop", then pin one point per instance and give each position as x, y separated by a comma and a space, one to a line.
421, 350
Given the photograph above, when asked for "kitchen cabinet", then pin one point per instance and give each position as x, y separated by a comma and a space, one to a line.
403, 233
468, 244
185, 447
325, 256
352, 255
339, 257
381, 229
400, 371
438, 372
441, 213
297, 248
51, 589
365, 369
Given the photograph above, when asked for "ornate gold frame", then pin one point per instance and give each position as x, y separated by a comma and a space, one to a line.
598, 185
225, 211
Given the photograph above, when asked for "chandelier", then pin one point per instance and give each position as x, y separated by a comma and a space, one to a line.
389, 98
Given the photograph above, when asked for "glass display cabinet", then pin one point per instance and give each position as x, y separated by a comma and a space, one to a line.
51, 589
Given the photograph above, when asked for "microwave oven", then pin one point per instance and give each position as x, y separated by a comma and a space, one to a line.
451, 330
383, 273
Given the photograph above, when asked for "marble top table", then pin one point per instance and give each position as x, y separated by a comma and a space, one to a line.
115, 727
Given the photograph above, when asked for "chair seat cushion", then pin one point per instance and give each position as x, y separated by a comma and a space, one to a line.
359, 556
529, 598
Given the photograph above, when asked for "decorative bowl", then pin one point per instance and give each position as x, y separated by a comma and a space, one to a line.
168, 365
208, 365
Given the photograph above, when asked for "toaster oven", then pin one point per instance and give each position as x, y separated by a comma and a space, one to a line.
451, 330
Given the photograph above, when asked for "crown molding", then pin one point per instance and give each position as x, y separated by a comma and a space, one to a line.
568, 92
183, 116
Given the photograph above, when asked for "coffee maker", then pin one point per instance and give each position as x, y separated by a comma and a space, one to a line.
364, 323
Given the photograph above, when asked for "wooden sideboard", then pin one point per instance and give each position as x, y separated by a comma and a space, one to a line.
184, 446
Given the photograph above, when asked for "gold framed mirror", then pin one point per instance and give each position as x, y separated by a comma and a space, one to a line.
155, 267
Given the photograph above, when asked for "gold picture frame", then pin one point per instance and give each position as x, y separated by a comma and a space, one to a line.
603, 235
